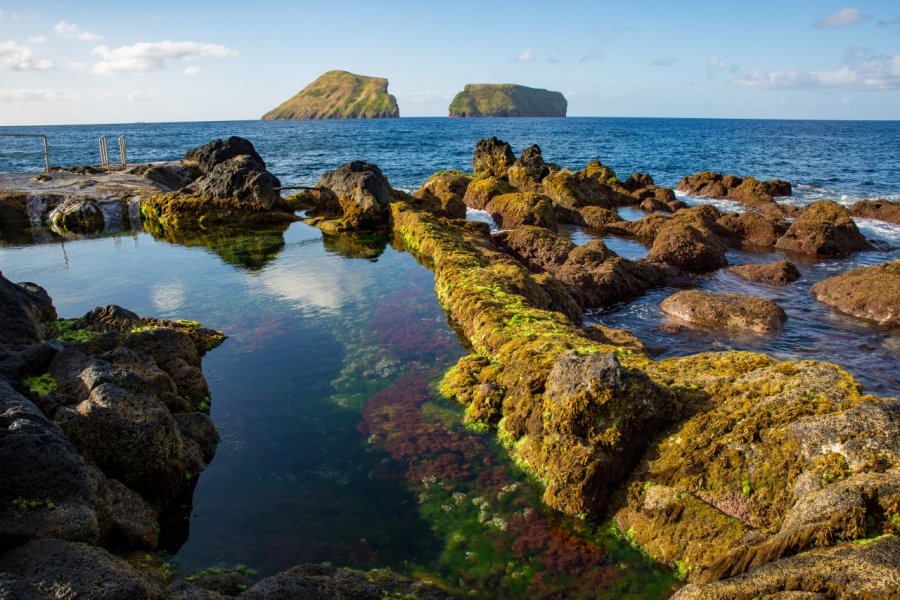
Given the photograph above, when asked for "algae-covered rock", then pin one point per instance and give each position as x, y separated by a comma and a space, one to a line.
753, 230
853, 570
339, 95
881, 210
234, 188
325, 581
529, 170
443, 194
823, 228
871, 293
356, 195
507, 100
747, 190
687, 247
760, 470
781, 272
492, 158
732, 312
522, 208
483, 189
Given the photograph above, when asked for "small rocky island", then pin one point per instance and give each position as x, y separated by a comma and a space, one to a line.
507, 100
339, 95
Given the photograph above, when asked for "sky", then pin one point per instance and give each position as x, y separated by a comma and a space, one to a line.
68, 62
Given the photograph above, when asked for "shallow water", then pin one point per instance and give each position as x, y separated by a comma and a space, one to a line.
335, 447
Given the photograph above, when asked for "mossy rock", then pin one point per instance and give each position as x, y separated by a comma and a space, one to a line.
522, 208
482, 190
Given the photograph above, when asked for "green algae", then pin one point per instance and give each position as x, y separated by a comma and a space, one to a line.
42, 385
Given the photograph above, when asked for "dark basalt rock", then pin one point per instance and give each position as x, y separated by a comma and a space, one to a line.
207, 156
23, 308
48, 569
321, 581
523, 208
45, 490
357, 194
492, 158
171, 176
824, 228
753, 230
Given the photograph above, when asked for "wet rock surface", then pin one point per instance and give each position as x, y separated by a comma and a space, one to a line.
881, 210
781, 272
747, 190
731, 312
871, 293
824, 228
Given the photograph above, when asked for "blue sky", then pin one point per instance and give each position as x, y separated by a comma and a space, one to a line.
102, 62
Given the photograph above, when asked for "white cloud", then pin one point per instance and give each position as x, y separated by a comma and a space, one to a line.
37, 39
526, 56
14, 57
191, 71
592, 55
140, 96
715, 66
77, 65
147, 57
842, 18
26, 96
70, 31
664, 61
868, 73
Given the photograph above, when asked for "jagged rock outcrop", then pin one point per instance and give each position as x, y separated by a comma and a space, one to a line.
339, 95
234, 187
870, 293
507, 100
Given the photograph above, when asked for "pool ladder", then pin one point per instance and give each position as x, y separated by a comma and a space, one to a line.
104, 152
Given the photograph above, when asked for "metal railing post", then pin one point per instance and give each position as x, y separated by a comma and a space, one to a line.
123, 151
104, 152
34, 135
46, 154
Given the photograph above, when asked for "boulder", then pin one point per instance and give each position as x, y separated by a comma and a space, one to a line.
655, 204
492, 158
731, 312
510, 211
871, 293
207, 156
861, 570
537, 248
241, 178
527, 172
572, 191
80, 215
362, 193
597, 217
45, 490
824, 228
752, 230
747, 190
325, 581
59, 569
686, 247
482, 190
443, 194
132, 520
23, 309
781, 272
881, 210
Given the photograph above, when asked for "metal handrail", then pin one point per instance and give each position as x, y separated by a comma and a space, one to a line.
34, 135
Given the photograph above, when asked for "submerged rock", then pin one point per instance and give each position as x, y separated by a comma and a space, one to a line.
781, 272
321, 581
824, 228
871, 293
732, 312
881, 210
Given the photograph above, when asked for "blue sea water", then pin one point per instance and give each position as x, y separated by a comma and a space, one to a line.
836, 159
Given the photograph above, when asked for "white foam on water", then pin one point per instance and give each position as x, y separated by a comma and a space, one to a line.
473, 214
881, 230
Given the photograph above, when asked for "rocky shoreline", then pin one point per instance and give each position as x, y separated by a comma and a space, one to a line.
750, 476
